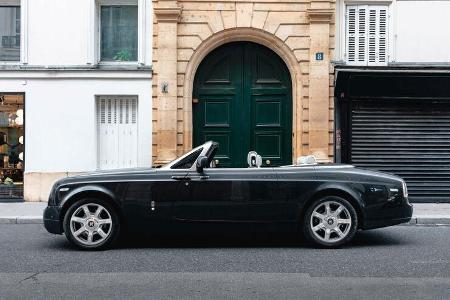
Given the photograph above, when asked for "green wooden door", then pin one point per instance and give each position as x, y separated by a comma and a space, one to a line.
242, 100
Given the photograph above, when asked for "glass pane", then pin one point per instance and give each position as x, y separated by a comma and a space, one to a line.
119, 33
10, 33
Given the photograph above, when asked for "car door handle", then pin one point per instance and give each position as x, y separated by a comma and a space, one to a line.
202, 177
181, 178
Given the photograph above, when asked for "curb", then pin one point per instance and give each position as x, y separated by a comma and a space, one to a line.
418, 221
444, 221
21, 220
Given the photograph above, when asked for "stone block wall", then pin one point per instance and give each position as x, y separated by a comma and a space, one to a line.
186, 31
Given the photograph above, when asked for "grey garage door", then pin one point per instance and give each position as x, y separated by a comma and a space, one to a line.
407, 138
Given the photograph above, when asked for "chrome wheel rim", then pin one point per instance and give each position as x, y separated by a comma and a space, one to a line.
91, 224
330, 221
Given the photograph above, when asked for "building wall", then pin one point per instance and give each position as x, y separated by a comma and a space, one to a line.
186, 31
421, 31
389, 112
61, 75
61, 129
416, 30
66, 32
64, 44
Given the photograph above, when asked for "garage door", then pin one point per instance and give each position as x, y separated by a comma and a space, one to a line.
407, 138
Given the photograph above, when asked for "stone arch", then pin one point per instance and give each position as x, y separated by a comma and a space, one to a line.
249, 35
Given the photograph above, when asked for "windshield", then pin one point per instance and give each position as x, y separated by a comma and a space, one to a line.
188, 161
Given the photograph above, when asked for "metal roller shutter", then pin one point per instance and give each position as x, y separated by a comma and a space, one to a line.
410, 139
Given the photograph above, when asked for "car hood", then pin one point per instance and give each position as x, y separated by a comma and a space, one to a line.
108, 174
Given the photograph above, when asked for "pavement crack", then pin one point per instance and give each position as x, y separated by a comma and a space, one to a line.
33, 277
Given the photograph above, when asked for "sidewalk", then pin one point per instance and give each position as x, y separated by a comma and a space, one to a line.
22, 213
431, 214
31, 213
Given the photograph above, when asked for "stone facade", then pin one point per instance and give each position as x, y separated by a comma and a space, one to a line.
186, 31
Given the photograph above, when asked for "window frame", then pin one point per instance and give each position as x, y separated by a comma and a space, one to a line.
342, 21
23, 48
96, 38
99, 53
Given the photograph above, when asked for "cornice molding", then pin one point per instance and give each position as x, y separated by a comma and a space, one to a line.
320, 15
167, 14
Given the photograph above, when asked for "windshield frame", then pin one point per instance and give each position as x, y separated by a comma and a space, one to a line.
206, 150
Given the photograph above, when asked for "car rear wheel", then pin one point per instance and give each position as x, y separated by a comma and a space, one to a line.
91, 224
330, 222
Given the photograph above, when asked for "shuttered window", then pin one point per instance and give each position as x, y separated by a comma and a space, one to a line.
117, 131
366, 34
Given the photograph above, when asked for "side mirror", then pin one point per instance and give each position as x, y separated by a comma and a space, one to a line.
202, 162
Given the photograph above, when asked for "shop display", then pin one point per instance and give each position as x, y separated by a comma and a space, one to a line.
11, 146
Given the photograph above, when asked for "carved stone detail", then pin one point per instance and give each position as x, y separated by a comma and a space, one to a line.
320, 15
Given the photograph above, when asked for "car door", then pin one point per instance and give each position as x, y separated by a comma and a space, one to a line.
215, 195
247, 195
149, 197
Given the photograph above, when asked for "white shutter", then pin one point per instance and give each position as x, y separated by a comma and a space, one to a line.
367, 34
382, 35
362, 34
351, 34
117, 132
373, 35
107, 133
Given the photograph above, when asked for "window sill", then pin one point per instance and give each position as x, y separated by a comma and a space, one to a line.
81, 68
10, 62
117, 62
360, 65
119, 65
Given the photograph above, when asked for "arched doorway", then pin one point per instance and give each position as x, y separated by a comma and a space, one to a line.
242, 99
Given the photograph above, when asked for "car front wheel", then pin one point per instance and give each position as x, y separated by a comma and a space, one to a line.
91, 224
330, 222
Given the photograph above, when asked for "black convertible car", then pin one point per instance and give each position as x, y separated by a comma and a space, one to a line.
328, 203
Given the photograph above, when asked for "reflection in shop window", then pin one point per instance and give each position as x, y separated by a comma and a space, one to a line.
10, 33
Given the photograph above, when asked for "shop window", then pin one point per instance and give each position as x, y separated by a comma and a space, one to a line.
11, 146
10, 33
117, 123
366, 35
118, 33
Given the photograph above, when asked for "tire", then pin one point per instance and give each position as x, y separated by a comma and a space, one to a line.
330, 228
95, 229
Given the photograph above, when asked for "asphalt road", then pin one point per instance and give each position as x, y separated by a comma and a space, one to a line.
398, 262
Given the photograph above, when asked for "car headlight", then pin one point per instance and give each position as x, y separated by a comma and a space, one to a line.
405, 189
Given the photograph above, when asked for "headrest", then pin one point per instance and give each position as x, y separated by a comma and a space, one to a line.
307, 160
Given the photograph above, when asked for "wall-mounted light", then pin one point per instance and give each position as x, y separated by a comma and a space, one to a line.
165, 87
